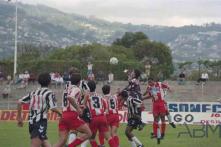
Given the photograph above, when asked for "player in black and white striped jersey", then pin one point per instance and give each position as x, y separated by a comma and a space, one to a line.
40, 101
134, 117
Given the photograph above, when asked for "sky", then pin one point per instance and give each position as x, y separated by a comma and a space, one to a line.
150, 12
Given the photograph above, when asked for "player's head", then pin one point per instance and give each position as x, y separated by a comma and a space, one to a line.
92, 85
123, 95
106, 89
44, 79
150, 81
75, 78
136, 73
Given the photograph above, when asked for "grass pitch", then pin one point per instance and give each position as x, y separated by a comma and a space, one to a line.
12, 136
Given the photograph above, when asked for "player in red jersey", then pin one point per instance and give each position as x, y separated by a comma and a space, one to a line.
155, 91
97, 106
112, 112
70, 116
165, 88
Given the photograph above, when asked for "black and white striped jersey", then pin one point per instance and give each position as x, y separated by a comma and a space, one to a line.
133, 106
40, 101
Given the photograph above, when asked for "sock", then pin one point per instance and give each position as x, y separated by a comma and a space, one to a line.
169, 118
158, 133
136, 140
71, 137
163, 127
76, 142
101, 138
155, 126
93, 143
111, 142
84, 144
116, 139
133, 144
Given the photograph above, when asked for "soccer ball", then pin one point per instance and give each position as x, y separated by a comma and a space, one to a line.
113, 60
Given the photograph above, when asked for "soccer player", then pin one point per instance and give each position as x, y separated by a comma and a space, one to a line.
135, 91
134, 83
112, 112
165, 88
97, 106
134, 117
160, 110
40, 101
70, 116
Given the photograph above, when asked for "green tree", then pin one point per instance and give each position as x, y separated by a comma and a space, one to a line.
129, 39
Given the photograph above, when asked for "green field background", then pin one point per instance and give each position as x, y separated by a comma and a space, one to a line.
12, 136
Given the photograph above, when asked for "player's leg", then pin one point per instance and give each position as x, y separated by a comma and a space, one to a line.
101, 138
85, 134
110, 140
114, 125
169, 118
132, 124
93, 127
155, 125
36, 142
46, 144
114, 135
71, 137
163, 125
63, 135
92, 139
103, 127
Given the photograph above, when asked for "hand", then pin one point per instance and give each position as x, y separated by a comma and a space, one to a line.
19, 122
80, 112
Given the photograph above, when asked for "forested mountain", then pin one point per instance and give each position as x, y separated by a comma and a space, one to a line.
45, 26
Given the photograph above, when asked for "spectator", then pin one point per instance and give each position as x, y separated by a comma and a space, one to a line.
26, 77
6, 91
100, 76
65, 77
204, 78
110, 77
89, 68
182, 78
91, 77
32, 78
143, 77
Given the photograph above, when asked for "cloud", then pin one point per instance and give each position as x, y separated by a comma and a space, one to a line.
159, 12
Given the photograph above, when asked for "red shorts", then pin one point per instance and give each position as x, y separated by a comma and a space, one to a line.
99, 123
113, 120
159, 107
70, 121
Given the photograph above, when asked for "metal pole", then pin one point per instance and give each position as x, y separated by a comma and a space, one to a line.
16, 31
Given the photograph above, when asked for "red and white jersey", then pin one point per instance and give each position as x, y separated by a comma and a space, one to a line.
157, 91
74, 92
96, 104
112, 104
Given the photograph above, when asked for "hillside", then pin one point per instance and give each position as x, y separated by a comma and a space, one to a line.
42, 25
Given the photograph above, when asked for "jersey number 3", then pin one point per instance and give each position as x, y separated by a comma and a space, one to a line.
96, 102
